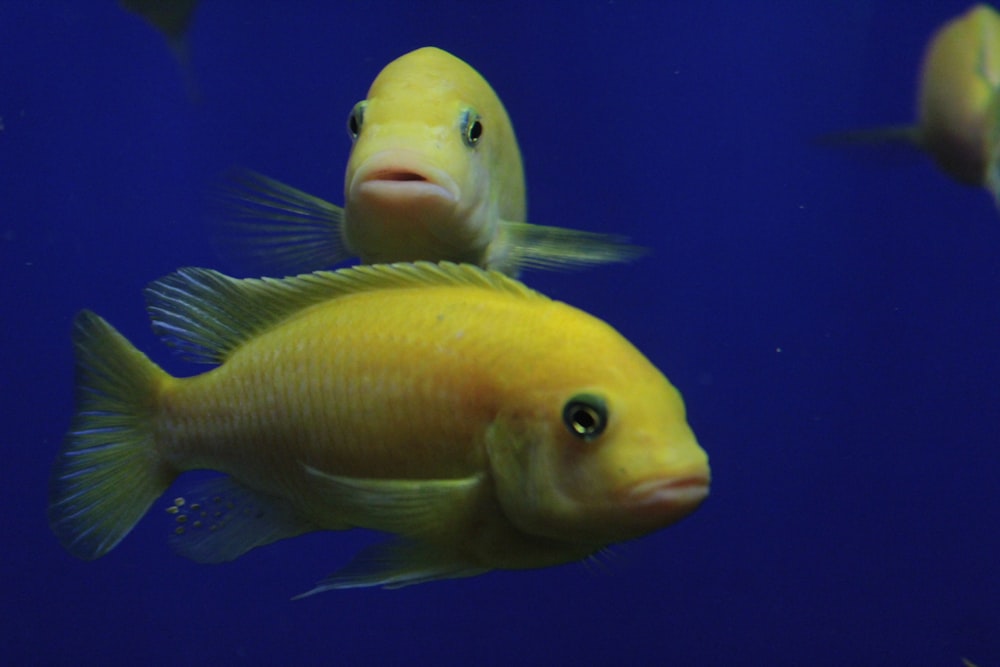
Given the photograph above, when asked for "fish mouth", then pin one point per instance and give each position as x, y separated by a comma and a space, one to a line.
671, 498
402, 178
398, 176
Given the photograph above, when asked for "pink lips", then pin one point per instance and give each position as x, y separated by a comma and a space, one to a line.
659, 494
398, 177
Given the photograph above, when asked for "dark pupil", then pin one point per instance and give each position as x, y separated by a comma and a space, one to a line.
585, 416
352, 124
584, 420
475, 131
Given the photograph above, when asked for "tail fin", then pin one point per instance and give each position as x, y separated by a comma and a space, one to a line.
108, 472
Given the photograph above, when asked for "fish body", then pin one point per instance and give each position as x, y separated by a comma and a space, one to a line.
434, 174
482, 423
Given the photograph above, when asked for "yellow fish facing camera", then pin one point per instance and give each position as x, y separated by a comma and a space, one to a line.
434, 174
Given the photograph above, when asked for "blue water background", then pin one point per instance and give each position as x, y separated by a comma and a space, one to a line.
832, 319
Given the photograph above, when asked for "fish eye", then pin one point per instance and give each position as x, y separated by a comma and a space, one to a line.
472, 127
586, 416
356, 118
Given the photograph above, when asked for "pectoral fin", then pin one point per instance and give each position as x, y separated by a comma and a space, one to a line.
542, 247
413, 507
395, 564
265, 226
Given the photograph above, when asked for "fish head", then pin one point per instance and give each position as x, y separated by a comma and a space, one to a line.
595, 456
434, 166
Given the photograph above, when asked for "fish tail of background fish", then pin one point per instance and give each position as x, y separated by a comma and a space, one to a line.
265, 227
108, 472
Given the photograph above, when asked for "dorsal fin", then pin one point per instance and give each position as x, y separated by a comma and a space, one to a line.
207, 315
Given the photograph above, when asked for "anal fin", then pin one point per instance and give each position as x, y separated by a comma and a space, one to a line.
220, 520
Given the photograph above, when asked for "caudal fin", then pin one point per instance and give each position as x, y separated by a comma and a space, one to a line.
108, 472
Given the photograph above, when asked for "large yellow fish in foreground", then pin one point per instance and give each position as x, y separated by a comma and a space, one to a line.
484, 424
958, 109
434, 174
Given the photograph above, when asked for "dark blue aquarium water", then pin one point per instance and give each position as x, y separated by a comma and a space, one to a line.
832, 319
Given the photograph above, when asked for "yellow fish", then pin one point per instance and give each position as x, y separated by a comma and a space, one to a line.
484, 424
434, 174
958, 118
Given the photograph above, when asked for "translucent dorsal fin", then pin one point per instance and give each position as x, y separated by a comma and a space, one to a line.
207, 315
